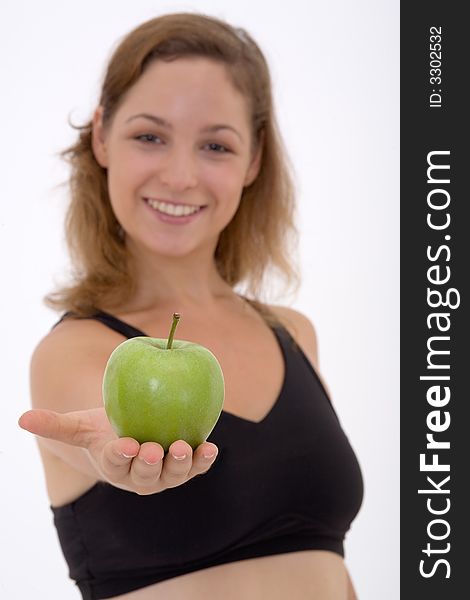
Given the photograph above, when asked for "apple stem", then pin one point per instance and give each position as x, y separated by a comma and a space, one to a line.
176, 318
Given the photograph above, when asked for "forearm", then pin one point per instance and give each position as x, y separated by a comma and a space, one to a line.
77, 458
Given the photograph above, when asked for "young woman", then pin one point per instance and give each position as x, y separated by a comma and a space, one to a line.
179, 193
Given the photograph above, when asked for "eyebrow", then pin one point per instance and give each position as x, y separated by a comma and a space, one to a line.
162, 123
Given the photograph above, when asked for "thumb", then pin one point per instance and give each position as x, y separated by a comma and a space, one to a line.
71, 428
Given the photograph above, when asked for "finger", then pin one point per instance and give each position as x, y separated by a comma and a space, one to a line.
203, 458
147, 466
177, 464
151, 453
71, 428
117, 457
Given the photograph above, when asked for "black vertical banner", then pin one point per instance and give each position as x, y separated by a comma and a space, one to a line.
435, 273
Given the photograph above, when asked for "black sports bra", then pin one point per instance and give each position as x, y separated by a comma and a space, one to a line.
290, 482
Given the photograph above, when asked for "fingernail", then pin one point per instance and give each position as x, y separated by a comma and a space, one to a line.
209, 455
179, 456
151, 462
128, 455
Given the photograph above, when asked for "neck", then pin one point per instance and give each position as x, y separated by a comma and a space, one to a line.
178, 284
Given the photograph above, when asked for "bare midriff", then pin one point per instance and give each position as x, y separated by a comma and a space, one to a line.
305, 575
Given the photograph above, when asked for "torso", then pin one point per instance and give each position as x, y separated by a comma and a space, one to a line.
253, 351
313, 574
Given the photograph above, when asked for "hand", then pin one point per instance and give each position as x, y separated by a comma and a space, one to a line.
123, 462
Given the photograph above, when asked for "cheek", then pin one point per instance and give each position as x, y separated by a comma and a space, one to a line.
226, 181
126, 173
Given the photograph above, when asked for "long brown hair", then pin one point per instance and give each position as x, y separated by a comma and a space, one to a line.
261, 237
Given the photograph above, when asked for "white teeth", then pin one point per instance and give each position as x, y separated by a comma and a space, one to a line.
176, 210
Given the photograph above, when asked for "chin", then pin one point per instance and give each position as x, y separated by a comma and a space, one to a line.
181, 250
172, 246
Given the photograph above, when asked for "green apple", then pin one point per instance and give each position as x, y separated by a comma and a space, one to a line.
158, 390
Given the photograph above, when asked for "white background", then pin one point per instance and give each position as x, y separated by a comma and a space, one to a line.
335, 72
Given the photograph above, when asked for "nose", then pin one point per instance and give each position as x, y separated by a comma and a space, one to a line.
177, 169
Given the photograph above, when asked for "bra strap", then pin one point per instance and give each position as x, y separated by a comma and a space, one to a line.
116, 324
110, 321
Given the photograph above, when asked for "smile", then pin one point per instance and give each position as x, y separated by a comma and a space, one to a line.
175, 210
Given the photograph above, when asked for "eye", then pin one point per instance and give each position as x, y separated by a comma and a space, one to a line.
217, 148
149, 138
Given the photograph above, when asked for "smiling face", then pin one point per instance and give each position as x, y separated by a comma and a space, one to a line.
178, 155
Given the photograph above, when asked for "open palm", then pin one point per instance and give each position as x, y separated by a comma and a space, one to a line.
123, 462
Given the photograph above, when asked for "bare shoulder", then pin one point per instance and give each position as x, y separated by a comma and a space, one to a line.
301, 328
67, 365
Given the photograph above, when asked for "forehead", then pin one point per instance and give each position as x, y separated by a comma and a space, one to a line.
186, 86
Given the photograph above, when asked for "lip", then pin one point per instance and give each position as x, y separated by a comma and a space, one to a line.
173, 220
174, 202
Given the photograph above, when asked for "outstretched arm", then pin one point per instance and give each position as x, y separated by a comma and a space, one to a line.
66, 379
123, 462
